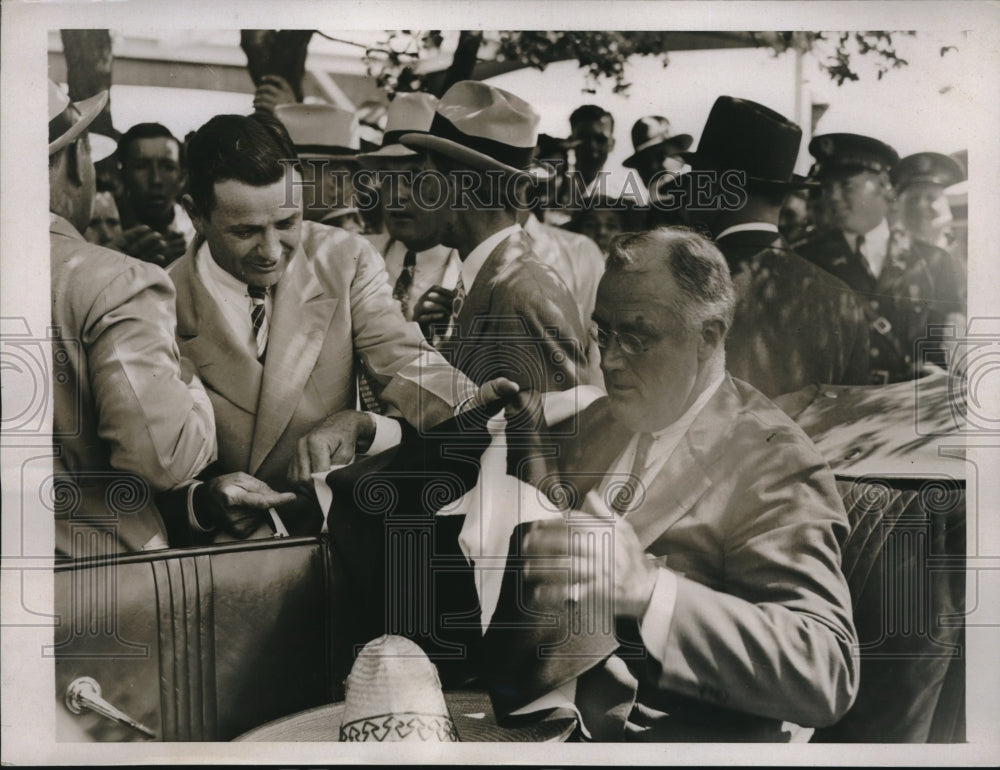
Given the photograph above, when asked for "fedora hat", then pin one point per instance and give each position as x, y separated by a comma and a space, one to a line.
930, 167
839, 154
481, 126
408, 113
746, 136
654, 131
67, 120
321, 130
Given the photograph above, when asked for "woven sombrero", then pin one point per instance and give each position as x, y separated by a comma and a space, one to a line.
394, 695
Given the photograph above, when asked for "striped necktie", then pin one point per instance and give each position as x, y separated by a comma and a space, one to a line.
630, 492
258, 317
401, 289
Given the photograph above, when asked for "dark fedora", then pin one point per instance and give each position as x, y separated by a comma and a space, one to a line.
651, 132
746, 136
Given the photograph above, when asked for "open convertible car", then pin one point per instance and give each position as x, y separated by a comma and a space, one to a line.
208, 643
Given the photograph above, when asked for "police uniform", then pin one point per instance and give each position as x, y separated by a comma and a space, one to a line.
918, 285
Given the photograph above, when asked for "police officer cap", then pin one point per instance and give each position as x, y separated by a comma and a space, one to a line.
838, 154
930, 167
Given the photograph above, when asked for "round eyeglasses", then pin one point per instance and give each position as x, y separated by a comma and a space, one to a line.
630, 344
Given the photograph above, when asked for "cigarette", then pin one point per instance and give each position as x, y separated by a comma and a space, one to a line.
279, 527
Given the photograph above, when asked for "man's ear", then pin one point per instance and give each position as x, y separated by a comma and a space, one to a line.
713, 335
74, 163
192, 211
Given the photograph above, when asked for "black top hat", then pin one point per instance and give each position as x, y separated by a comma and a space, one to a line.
838, 154
927, 167
746, 136
654, 131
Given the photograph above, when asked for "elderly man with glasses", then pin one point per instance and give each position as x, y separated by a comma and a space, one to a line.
724, 569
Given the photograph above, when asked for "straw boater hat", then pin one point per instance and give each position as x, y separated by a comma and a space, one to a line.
746, 136
654, 131
408, 113
481, 126
394, 695
321, 130
67, 120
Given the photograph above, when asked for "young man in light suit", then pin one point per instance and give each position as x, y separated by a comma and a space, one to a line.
725, 576
273, 312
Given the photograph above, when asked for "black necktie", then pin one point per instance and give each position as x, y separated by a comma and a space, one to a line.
258, 317
401, 289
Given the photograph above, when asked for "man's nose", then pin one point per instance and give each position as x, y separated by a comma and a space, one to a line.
155, 174
612, 358
272, 243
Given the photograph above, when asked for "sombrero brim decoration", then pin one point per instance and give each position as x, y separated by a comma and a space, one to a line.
681, 142
470, 711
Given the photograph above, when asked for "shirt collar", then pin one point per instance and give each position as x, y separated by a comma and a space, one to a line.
224, 280
748, 226
473, 263
876, 245
680, 426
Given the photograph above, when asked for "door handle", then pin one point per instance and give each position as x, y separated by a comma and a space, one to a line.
84, 693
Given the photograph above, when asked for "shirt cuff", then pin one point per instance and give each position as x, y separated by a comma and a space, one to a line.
388, 433
654, 628
192, 519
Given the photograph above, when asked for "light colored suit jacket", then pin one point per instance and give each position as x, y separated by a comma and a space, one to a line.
127, 421
745, 511
332, 302
518, 321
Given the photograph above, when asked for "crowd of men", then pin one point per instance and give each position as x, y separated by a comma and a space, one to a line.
320, 297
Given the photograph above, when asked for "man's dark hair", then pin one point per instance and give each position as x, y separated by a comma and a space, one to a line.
248, 149
589, 113
146, 131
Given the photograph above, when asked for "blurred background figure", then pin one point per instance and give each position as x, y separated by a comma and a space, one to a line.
794, 222
922, 207
156, 227
327, 141
657, 152
415, 260
105, 228
604, 218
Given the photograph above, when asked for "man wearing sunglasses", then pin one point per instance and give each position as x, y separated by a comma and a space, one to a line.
725, 577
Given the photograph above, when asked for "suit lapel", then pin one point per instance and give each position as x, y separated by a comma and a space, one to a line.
684, 478
299, 321
224, 364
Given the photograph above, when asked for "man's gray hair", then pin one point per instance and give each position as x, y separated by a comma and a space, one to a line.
701, 272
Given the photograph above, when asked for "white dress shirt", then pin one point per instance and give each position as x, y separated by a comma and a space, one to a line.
473, 263
436, 266
231, 297
875, 248
654, 626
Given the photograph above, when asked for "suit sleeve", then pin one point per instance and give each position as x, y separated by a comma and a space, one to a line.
535, 338
152, 409
418, 381
776, 639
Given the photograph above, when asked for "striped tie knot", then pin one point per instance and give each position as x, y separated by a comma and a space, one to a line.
258, 317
